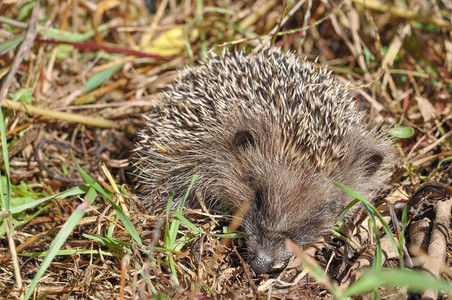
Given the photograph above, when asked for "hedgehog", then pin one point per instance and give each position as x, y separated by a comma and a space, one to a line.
263, 130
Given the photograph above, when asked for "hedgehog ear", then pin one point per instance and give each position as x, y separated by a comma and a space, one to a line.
243, 139
373, 163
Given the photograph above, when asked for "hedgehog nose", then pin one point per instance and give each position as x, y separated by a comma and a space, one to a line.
261, 262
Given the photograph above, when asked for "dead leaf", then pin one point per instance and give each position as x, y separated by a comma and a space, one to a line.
169, 43
427, 110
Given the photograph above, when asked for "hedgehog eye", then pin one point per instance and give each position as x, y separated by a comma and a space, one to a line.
259, 199
243, 139
288, 234
373, 163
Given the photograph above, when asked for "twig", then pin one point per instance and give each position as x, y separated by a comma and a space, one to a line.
24, 47
13, 23
146, 39
97, 122
92, 46
13, 251
437, 250
402, 13
266, 36
121, 201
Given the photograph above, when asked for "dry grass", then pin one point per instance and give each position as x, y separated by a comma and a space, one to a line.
76, 75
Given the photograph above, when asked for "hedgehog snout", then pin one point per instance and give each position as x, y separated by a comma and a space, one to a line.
260, 262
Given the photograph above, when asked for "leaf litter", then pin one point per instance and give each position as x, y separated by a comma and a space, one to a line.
76, 77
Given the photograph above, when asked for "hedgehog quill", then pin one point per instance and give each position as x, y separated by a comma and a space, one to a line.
263, 129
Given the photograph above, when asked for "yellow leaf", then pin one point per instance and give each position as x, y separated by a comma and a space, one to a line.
169, 43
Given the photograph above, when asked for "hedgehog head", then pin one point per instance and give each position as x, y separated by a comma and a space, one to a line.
288, 194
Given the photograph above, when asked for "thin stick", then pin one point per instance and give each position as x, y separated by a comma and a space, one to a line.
24, 47
97, 122
403, 13
12, 249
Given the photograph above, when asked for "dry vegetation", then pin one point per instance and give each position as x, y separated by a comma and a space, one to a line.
76, 75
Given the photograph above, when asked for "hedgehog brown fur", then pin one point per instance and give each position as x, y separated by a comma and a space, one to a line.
264, 129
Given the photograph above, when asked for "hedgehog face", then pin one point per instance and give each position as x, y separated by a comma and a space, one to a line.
287, 209
289, 199
284, 196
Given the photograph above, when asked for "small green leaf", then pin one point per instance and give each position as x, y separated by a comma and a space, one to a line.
99, 78
23, 95
401, 132
25, 10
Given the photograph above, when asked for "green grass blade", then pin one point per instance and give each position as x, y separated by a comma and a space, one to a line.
378, 260
5, 203
414, 280
71, 192
347, 208
189, 224
69, 252
369, 206
122, 216
171, 231
443, 161
169, 238
61, 237
6, 46
193, 180
174, 228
